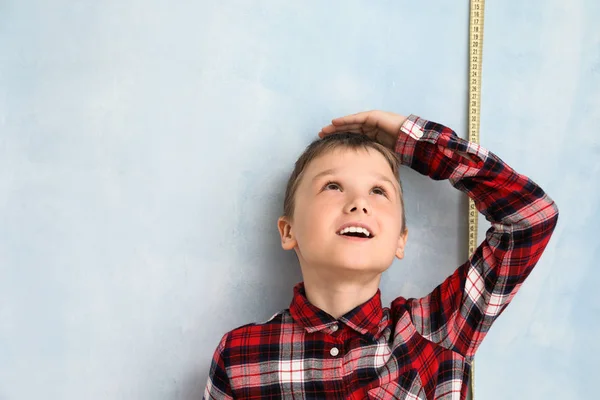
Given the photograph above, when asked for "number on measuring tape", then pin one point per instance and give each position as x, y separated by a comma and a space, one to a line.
476, 17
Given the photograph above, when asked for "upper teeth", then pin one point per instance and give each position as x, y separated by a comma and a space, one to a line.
355, 229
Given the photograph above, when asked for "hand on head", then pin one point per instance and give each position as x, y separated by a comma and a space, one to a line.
381, 126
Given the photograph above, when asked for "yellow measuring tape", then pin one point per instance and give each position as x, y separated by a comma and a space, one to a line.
475, 57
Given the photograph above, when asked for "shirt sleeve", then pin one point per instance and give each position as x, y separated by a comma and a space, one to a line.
459, 312
218, 385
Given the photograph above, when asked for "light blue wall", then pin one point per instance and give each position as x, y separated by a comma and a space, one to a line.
145, 145
541, 113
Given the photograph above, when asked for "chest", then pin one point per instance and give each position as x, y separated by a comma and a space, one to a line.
341, 363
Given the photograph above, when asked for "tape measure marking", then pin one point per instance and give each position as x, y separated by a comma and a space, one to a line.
475, 62
476, 17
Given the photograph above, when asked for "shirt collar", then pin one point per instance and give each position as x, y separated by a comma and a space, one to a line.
365, 318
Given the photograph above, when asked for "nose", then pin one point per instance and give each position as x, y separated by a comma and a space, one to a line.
358, 205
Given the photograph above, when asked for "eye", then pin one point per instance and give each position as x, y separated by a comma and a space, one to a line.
332, 186
379, 190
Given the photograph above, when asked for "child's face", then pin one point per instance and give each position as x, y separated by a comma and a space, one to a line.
341, 187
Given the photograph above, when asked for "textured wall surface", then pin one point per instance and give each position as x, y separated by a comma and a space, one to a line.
145, 145
541, 114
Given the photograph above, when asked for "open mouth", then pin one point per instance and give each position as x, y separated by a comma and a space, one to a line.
356, 232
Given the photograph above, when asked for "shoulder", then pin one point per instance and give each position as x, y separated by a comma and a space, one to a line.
251, 333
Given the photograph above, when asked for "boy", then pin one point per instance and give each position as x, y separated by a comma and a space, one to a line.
344, 217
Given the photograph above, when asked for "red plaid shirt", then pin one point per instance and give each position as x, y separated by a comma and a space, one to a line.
416, 348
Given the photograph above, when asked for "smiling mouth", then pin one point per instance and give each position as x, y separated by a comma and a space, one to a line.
356, 235
357, 231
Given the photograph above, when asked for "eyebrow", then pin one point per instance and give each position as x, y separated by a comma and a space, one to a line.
332, 171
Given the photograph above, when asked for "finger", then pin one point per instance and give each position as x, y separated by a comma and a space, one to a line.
386, 121
342, 128
358, 118
328, 129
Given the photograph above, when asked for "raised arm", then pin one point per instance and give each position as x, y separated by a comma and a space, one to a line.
459, 312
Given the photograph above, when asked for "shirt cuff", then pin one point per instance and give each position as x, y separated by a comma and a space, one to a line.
413, 126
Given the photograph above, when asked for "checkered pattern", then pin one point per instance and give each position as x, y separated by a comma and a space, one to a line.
415, 348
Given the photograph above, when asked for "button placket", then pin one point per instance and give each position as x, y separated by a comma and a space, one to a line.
338, 339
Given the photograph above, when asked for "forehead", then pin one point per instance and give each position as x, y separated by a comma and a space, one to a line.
350, 161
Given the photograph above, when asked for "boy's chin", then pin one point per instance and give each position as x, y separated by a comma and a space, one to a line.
358, 265
358, 262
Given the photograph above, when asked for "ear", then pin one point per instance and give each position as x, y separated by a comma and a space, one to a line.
288, 240
401, 244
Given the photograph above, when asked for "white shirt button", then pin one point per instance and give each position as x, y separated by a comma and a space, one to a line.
334, 351
417, 133
334, 328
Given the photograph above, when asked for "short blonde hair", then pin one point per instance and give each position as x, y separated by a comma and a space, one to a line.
345, 140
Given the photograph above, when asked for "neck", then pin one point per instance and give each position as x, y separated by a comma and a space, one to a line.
335, 296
